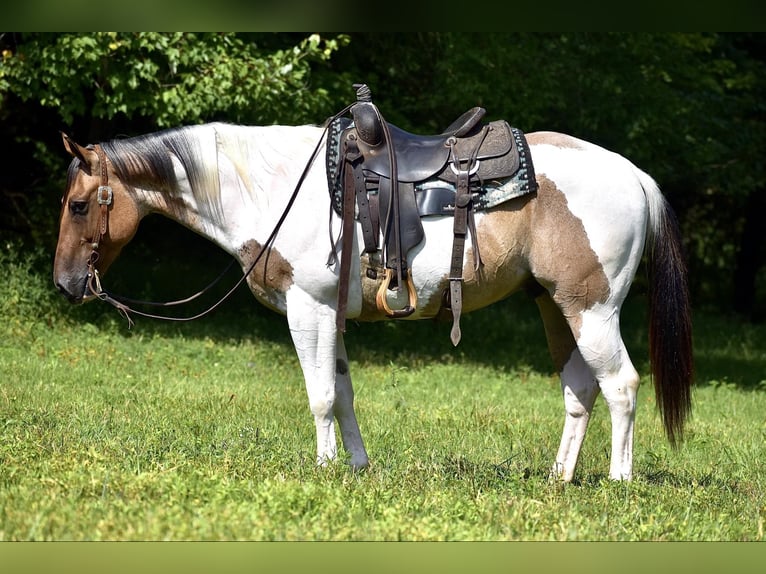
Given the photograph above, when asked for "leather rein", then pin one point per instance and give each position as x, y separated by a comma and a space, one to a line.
105, 199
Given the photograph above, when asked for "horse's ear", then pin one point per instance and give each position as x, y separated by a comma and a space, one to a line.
88, 158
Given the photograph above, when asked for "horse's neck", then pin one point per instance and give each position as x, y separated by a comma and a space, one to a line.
252, 171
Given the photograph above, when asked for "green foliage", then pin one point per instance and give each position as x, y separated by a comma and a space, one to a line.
27, 296
173, 78
100, 84
677, 104
688, 108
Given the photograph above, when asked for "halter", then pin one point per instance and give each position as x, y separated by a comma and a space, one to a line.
105, 199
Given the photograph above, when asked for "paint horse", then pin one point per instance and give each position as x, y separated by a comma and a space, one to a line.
575, 244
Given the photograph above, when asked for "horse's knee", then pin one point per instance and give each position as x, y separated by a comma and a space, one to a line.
579, 386
323, 397
322, 407
574, 404
620, 391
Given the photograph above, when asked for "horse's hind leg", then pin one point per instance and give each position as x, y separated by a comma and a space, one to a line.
595, 360
603, 349
578, 386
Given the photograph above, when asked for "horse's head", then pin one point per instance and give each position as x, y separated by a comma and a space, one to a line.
99, 216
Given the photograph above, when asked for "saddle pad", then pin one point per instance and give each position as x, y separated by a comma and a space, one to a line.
520, 183
332, 162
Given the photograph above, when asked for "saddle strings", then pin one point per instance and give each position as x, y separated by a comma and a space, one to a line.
121, 303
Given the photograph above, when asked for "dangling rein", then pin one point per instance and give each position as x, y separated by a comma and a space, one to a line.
105, 197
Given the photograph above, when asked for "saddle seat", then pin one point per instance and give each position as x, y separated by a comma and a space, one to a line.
422, 157
418, 157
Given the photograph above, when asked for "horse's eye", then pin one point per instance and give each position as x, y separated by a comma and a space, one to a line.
78, 207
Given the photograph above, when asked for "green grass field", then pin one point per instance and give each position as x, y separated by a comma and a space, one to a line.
201, 431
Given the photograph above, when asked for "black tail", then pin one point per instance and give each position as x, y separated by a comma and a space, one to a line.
670, 325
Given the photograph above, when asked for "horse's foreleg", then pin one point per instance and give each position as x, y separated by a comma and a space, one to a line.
324, 362
344, 409
312, 327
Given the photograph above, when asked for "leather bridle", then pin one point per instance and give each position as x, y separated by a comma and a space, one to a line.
105, 199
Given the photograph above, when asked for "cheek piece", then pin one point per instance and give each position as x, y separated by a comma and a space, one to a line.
104, 196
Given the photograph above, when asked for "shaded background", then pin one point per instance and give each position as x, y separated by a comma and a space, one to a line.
688, 108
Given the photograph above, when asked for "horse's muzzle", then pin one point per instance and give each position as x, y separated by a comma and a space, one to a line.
71, 297
77, 293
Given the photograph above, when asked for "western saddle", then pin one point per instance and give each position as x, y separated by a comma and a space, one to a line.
387, 179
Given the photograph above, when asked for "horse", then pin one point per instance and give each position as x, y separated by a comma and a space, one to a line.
575, 245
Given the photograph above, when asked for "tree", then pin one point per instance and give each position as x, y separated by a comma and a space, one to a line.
99, 85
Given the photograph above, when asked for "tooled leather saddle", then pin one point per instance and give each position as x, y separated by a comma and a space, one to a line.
387, 179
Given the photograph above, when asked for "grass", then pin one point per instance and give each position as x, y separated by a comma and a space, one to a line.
201, 431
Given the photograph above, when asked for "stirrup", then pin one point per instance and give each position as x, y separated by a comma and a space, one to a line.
382, 303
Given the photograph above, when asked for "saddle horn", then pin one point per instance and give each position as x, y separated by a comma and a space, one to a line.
367, 121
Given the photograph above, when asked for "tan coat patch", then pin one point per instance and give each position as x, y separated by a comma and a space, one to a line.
558, 334
271, 277
503, 234
561, 257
